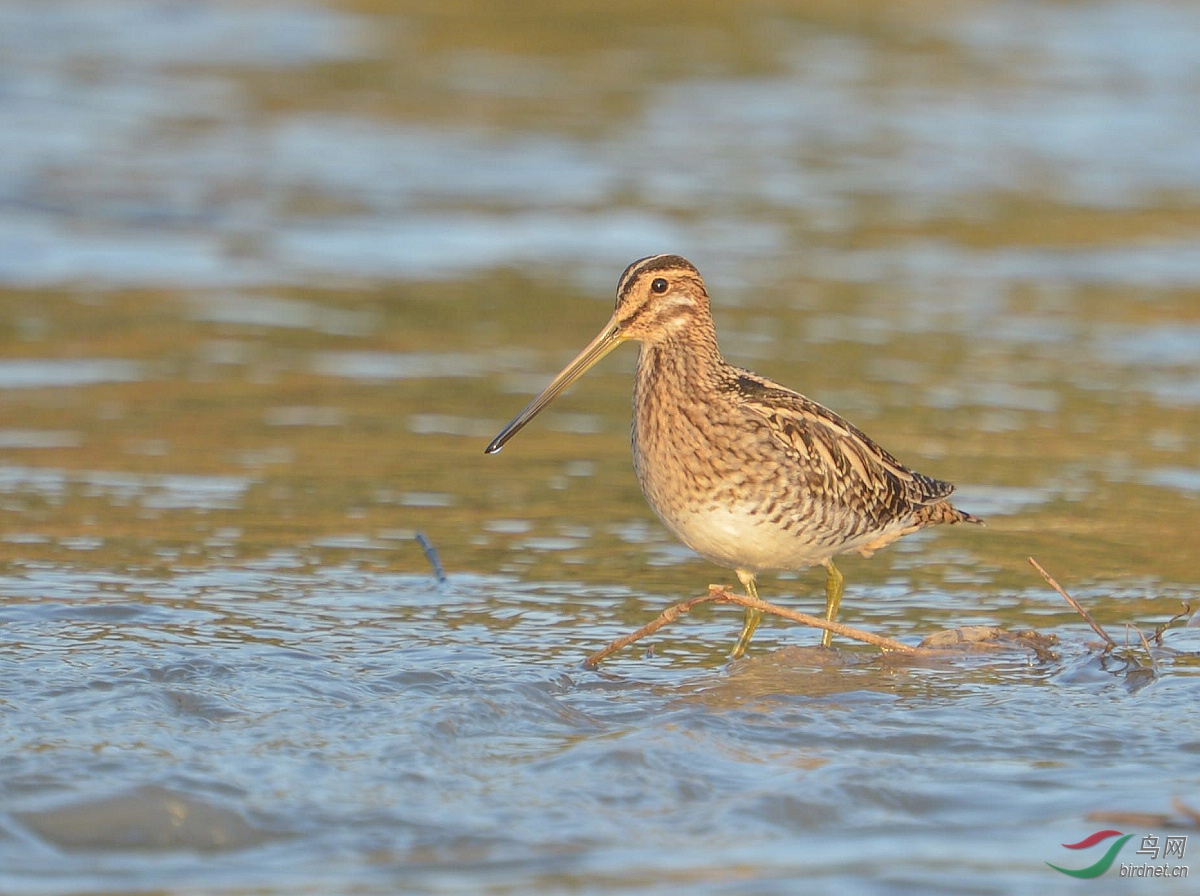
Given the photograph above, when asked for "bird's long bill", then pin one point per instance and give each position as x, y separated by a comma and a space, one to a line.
608, 339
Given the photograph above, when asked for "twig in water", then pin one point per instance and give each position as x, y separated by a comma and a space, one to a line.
1182, 614
431, 555
667, 616
1074, 603
717, 594
1146, 644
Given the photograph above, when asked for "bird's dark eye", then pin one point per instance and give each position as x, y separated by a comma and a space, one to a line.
659, 285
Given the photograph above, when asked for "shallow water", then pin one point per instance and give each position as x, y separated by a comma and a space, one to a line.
272, 275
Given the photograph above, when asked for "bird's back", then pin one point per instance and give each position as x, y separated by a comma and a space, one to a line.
751, 474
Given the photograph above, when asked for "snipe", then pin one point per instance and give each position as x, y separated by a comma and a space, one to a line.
744, 471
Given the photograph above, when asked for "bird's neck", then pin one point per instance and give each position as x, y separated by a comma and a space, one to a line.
679, 363
675, 379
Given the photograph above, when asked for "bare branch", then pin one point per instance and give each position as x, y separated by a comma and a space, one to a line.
1074, 603
846, 631
717, 594
1182, 614
667, 616
1146, 645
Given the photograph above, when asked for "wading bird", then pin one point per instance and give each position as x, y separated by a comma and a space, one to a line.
747, 473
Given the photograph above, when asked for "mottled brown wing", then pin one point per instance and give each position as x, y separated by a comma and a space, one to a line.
834, 451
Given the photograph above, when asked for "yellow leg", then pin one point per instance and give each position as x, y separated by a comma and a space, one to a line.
833, 600
753, 617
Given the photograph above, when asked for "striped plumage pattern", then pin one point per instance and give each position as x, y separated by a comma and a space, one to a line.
712, 442
748, 473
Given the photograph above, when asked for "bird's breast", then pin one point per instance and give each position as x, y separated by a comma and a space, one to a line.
719, 484
725, 486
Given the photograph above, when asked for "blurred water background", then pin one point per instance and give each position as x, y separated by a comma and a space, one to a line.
272, 273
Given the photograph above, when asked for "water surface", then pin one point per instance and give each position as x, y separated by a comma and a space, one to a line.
271, 276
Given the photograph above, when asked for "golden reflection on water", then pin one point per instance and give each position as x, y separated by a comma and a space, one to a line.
321, 465
308, 403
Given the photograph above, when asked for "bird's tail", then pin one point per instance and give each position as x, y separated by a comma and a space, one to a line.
945, 512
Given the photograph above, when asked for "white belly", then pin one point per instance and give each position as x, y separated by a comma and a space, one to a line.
737, 539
